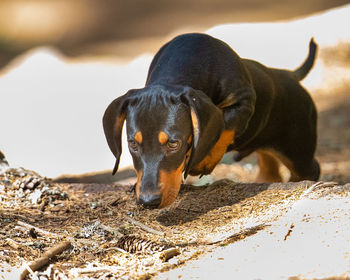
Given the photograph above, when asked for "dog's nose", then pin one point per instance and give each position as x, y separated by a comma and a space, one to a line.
150, 200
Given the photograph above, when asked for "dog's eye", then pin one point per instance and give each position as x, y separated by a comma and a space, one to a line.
132, 145
173, 145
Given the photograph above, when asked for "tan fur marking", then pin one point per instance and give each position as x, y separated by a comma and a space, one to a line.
138, 183
294, 177
120, 121
138, 137
115, 130
207, 165
170, 183
195, 126
163, 137
268, 167
189, 140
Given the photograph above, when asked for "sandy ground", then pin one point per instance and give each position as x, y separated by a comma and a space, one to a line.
246, 230
311, 241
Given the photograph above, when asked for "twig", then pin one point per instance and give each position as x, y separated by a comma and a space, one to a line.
168, 254
109, 229
13, 243
309, 190
229, 236
45, 258
94, 270
235, 236
120, 250
316, 185
20, 228
44, 232
191, 243
18, 216
144, 227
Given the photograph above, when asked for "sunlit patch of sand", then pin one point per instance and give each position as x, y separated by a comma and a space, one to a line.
309, 242
52, 110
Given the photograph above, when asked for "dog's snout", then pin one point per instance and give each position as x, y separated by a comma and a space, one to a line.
150, 200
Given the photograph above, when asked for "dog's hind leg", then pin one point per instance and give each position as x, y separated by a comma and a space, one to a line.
268, 167
302, 169
299, 159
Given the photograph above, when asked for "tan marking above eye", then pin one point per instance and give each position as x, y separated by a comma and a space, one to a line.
138, 137
163, 137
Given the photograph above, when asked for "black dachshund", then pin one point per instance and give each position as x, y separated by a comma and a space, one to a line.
202, 100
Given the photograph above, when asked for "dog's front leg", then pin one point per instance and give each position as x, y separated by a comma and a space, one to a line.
238, 108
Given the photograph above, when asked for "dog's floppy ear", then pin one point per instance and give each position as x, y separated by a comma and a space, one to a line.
113, 121
207, 124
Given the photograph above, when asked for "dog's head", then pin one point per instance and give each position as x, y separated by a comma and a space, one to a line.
169, 131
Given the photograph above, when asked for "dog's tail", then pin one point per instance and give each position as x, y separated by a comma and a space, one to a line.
304, 69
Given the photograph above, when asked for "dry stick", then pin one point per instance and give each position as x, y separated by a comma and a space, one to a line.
13, 243
94, 270
168, 254
316, 185
243, 233
44, 232
18, 216
110, 229
45, 258
144, 227
116, 249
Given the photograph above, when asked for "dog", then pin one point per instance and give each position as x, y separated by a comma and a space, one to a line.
202, 100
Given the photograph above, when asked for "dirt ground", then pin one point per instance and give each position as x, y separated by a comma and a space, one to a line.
101, 233
102, 224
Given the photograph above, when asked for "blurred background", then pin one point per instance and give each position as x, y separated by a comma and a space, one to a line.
62, 62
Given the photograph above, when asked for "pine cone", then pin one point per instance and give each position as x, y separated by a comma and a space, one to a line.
134, 244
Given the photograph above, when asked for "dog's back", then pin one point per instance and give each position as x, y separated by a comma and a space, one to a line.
201, 62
